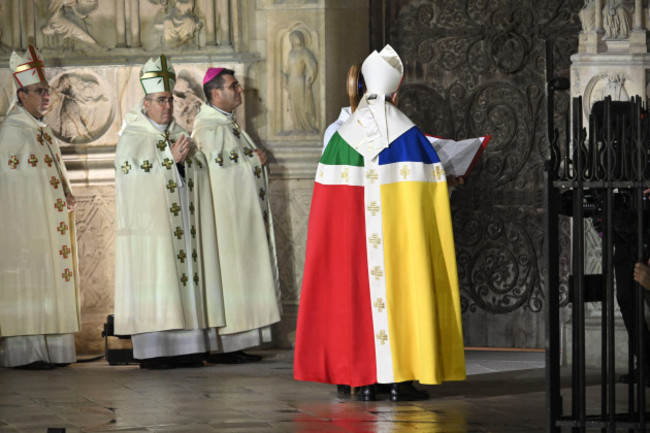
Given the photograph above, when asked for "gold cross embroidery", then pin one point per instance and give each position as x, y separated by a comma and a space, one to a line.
161, 145
167, 163
382, 337
178, 233
60, 204
373, 208
181, 256
65, 251
321, 173
63, 227
48, 160
146, 166
55, 182
438, 173
248, 151
175, 209
372, 175
235, 129
262, 193
196, 278
184, 279
194, 255
219, 159
32, 160
199, 163
193, 231
67, 274
233, 156
405, 172
379, 305
13, 162
375, 240
188, 161
171, 186
126, 167
190, 184
377, 273
192, 208
257, 172
345, 175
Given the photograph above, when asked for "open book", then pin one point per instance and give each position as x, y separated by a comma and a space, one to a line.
459, 157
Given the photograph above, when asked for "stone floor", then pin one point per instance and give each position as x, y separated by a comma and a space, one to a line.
504, 392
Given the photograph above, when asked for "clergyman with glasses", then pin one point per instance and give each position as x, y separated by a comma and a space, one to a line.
39, 292
244, 225
165, 298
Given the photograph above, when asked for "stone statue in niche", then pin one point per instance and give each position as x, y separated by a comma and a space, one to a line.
187, 100
67, 20
300, 74
587, 16
181, 26
614, 87
617, 18
82, 110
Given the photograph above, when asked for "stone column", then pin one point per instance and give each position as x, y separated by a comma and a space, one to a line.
598, 16
638, 15
135, 22
17, 29
120, 24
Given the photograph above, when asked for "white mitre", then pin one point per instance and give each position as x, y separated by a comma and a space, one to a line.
27, 69
157, 75
382, 72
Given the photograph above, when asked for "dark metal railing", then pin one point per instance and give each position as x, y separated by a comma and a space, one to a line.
599, 174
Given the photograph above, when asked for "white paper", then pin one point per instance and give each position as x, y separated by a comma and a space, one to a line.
456, 156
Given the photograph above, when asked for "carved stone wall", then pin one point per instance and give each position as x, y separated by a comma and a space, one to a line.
284, 52
474, 68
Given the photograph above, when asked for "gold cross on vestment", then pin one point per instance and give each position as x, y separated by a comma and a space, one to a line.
372, 175
175, 209
65, 251
192, 208
126, 167
184, 279
13, 162
167, 163
178, 233
171, 186
233, 156
374, 240
146, 166
161, 145
405, 172
32, 160
196, 278
382, 337
63, 227
235, 129
67, 274
257, 171
194, 255
189, 162
181, 256
345, 175
48, 160
438, 173
193, 231
248, 151
219, 159
55, 182
199, 163
377, 273
262, 193
190, 184
60, 204
379, 305
373, 208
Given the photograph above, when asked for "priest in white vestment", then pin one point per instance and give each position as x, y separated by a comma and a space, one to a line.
244, 225
167, 290
39, 293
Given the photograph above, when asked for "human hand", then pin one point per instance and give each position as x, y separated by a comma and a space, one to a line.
70, 201
642, 274
455, 180
181, 148
261, 154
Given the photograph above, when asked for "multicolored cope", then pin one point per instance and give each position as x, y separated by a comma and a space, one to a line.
244, 224
39, 291
379, 300
161, 251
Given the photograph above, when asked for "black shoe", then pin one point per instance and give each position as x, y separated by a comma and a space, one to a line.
405, 391
382, 388
239, 357
38, 365
157, 365
343, 390
366, 393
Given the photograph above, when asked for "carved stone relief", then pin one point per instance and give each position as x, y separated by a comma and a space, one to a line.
605, 84
80, 109
188, 97
66, 25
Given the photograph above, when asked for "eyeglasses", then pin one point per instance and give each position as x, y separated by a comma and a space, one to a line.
41, 90
163, 101
234, 86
